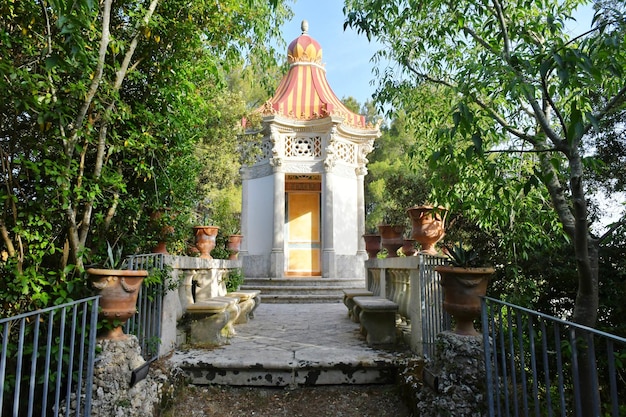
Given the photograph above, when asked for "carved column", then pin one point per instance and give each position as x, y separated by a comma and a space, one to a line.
245, 186
360, 176
361, 172
329, 265
277, 257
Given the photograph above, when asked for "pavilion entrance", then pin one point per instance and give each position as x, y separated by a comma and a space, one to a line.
303, 233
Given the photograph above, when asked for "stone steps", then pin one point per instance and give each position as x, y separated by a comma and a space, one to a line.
309, 290
291, 345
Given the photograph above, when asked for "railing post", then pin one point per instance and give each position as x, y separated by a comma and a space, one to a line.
383, 282
484, 317
415, 310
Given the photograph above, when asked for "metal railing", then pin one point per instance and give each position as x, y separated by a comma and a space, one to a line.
434, 319
146, 324
542, 366
407, 282
47, 359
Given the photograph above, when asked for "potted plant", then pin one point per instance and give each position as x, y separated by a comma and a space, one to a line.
464, 281
392, 232
205, 235
119, 289
428, 226
372, 244
233, 245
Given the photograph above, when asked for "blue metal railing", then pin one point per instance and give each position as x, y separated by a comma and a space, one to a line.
47, 359
543, 366
146, 324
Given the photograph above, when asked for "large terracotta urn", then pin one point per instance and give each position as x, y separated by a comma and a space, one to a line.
428, 226
118, 289
234, 246
372, 245
205, 240
462, 289
391, 238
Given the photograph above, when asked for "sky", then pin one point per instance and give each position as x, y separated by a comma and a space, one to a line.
346, 54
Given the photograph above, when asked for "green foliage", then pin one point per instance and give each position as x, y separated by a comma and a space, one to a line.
234, 279
461, 256
503, 102
96, 136
391, 185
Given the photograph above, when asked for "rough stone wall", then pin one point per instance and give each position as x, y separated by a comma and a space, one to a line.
458, 367
112, 374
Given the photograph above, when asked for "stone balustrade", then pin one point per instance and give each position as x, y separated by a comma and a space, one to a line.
412, 283
208, 273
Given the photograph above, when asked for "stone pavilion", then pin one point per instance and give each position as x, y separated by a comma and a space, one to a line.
303, 207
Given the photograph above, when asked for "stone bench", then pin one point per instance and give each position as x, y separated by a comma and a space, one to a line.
377, 316
210, 322
249, 300
348, 300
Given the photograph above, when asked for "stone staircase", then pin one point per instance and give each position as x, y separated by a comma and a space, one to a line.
294, 290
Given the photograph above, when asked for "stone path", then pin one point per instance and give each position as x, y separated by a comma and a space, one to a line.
292, 345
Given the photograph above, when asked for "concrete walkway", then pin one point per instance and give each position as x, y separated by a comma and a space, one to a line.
291, 345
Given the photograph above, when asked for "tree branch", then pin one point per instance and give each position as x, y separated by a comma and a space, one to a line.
610, 106
505, 35
561, 206
522, 150
612, 229
95, 82
548, 98
479, 39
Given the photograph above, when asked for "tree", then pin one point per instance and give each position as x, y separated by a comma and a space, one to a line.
103, 104
391, 186
523, 89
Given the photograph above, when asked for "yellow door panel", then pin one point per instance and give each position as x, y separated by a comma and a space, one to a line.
303, 234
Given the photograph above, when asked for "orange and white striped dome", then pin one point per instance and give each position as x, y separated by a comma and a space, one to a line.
304, 92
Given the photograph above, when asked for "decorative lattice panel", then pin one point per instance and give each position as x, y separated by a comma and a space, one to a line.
307, 147
346, 152
266, 151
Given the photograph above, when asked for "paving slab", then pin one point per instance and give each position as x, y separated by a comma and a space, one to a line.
291, 345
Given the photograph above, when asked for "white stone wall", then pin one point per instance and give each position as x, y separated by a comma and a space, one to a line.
345, 215
260, 223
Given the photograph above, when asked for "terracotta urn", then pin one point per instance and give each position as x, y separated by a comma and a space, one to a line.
118, 289
205, 240
164, 233
391, 238
234, 246
408, 247
428, 226
372, 245
462, 289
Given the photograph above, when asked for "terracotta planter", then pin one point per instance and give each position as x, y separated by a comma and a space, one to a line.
234, 246
205, 240
462, 289
372, 245
391, 238
408, 247
428, 226
119, 289
164, 233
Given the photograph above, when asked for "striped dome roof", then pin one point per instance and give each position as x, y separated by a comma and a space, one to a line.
304, 92
304, 48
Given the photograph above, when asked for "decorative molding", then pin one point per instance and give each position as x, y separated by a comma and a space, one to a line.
257, 171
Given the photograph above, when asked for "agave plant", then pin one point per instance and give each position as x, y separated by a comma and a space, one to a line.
461, 256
